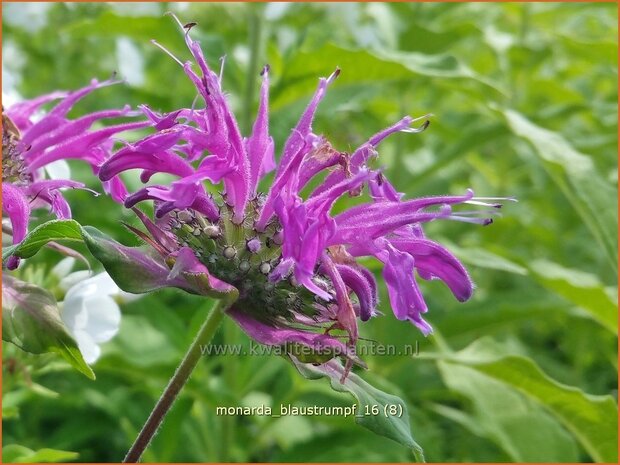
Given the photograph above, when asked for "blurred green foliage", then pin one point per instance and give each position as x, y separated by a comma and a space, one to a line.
524, 98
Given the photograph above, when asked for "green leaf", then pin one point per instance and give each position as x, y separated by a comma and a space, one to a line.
111, 24
14, 453
525, 431
54, 230
362, 66
31, 320
382, 413
593, 420
485, 259
583, 289
594, 199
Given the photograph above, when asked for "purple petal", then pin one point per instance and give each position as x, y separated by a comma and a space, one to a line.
47, 191
326, 199
278, 336
58, 113
161, 121
363, 285
304, 240
405, 296
322, 157
222, 122
189, 196
162, 162
345, 315
116, 189
298, 137
21, 112
205, 205
434, 260
187, 266
83, 146
295, 148
382, 190
16, 206
72, 128
282, 271
379, 218
362, 154
368, 225
260, 144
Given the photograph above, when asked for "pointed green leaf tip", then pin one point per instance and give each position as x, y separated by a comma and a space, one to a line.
31, 321
54, 230
383, 414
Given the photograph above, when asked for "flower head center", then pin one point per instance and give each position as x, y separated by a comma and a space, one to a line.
243, 257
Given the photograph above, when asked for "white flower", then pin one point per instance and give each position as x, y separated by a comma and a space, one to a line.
91, 314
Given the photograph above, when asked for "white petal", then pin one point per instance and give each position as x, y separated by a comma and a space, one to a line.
100, 284
63, 267
105, 284
89, 307
104, 318
74, 314
89, 348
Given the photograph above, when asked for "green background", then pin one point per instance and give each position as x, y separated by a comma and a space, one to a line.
524, 98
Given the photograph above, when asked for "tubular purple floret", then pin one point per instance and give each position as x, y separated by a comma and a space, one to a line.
295, 148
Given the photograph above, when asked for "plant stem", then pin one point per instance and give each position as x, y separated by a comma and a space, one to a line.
230, 373
176, 383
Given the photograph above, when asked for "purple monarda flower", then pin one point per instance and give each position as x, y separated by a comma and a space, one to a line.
30, 142
293, 263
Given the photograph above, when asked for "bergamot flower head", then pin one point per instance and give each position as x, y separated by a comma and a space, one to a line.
32, 142
293, 263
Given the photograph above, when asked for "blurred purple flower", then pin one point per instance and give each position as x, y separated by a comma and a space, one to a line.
292, 262
31, 142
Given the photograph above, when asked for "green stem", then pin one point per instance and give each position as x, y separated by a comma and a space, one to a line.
178, 380
253, 72
229, 373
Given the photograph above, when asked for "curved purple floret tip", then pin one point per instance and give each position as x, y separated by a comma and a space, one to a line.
332, 77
